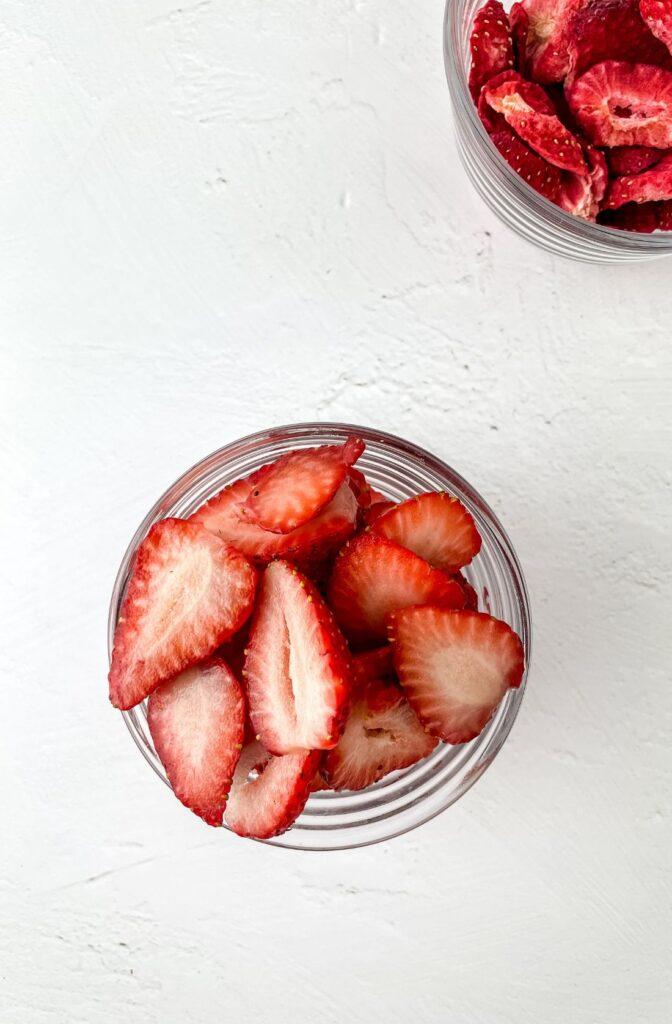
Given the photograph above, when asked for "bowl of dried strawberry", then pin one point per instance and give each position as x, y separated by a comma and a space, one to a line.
319, 637
563, 119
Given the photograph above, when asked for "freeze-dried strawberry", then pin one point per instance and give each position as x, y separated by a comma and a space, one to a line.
490, 45
619, 104
611, 30
651, 185
665, 216
520, 25
542, 176
632, 159
598, 172
640, 217
541, 131
658, 16
546, 52
581, 194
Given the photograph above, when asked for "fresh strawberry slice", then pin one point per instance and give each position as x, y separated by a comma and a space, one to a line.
455, 667
640, 217
602, 30
308, 544
297, 669
381, 735
373, 576
620, 104
546, 42
375, 510
624, 160
360, 487
490, 44
537, 172
188, 593
543, 132
435, 526
471, 597
647, 187
197, 722
292, 490
374, 664
268, 793
658, 16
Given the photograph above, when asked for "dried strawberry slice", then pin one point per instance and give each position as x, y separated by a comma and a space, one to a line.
641, 217
490, 45
547, 56
651, 185
542, 176
581, 194
665, 216
520, 26
611, 30
619, 104
542, 130
658, 16
632, 159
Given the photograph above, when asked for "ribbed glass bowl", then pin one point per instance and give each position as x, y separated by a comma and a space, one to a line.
403, 800
505, 192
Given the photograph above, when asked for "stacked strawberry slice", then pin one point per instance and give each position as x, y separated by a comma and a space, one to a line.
302, 632
576, 95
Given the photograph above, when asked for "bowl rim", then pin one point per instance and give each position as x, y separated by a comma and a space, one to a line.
316, 429
463, 104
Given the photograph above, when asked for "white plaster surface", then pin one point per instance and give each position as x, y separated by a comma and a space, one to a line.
218, 216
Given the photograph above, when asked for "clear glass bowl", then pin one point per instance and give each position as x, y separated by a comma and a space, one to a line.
506, 193
406, 799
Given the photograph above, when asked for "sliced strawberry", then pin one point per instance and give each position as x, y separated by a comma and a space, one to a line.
374, 664
381, 735
640, 217
360, 487
197, 722
620, 104
188, 593
520, 26
541, 131
375, 510
647, 187
611, 30
308, 544
490, 44
546, 42
455, 667
297, 669
435, 526
665, 216
532, 94
471, 597
658, 16
292, 490
539, 174
268, 793
624, 160
373, 576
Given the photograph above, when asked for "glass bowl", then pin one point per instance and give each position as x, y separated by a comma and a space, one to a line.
505, 192
403, 800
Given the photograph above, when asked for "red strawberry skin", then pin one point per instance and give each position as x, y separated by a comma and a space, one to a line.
624, 160
297, 668
306, 546
490, 44
537, 172
381, 735
197, 722
620, 104
374, 664
289, 492
269, 804
454, 667
658, 16
435, 526
373, 576
188, 593
649, 186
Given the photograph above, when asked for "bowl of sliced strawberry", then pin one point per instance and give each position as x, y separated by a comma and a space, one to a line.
563, 115
319, 637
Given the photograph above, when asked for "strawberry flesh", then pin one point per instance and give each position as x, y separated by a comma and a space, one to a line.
454, 667
297, 668
435, 526
268, 793
611, 30
373, 576
381, 735
490, 45
188, 593
289, 492
658, 16
619, 104
197, 723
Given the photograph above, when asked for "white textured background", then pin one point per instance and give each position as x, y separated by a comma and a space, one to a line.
218, 216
